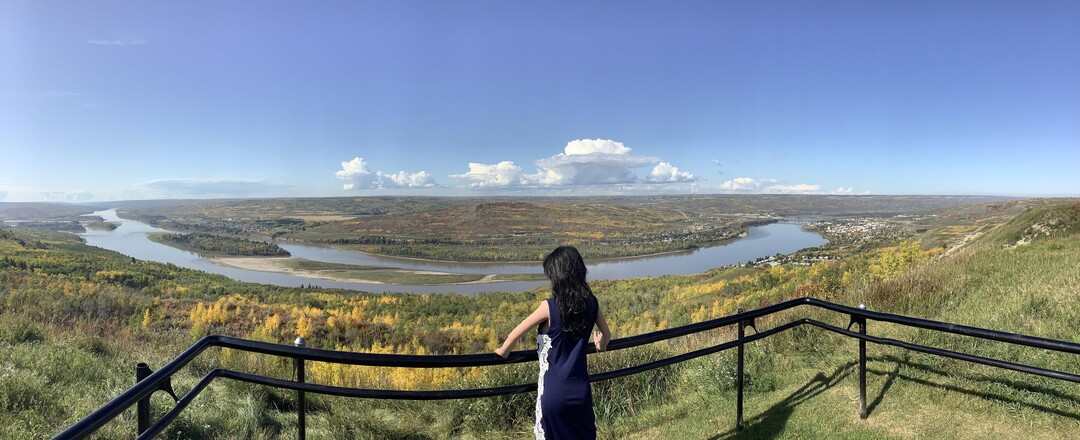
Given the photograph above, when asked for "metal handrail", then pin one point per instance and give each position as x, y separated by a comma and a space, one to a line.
142, 390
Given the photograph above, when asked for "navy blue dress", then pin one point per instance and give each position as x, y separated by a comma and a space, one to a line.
564, 405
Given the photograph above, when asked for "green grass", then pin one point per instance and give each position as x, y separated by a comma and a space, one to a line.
303, 264
1031, 289
908, 396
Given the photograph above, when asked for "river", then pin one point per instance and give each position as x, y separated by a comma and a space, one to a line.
761, 241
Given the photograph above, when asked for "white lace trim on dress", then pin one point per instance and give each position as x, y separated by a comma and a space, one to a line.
543, 345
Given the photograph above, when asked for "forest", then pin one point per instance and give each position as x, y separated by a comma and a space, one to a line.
219, 245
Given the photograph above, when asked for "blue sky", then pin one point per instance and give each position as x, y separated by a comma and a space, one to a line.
199, 99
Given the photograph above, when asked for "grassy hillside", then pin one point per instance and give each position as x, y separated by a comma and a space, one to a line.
813, 393
75, 319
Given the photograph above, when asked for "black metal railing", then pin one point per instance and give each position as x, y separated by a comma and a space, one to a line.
161, 379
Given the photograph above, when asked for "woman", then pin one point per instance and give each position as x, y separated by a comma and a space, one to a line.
563, 396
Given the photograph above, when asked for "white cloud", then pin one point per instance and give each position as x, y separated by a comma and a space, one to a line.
502, 174
66, 196
798, 188
213, 187
123, 42
842, 190
664, 172
748, 184
591, 168
356, 172
582, 162
401, 179
589, 146
358, 175
745, 184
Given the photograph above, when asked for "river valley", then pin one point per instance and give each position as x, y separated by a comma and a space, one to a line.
130, 238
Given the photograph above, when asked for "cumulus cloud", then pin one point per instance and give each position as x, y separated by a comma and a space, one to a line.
664, 173
582, 162
842, 190
66, 196
799, 188
213, 187
358, 175
356, 172
590, 146
745, 184
591, 168
502, 174
401, 179
748, 184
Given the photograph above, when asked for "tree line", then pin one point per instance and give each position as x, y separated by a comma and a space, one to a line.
218, 244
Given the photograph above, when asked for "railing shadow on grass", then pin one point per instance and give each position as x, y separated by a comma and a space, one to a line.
897, 374
771, 421
161, 380
890, 378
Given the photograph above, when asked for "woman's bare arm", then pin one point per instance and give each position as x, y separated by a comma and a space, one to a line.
602, 335
539, 316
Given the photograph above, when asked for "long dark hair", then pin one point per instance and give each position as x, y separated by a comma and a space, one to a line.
566, 270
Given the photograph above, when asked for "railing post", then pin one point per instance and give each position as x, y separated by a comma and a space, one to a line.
142, 410
739, 377
301, 411
862, 364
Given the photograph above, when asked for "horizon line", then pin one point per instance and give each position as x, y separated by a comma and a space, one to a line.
607, 196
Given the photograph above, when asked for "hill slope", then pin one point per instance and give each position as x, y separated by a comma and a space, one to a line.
991, 283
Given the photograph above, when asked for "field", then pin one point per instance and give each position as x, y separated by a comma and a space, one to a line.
74, 319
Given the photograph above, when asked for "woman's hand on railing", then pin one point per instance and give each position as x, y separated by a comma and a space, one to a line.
503, 351
599, 340
602, 334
